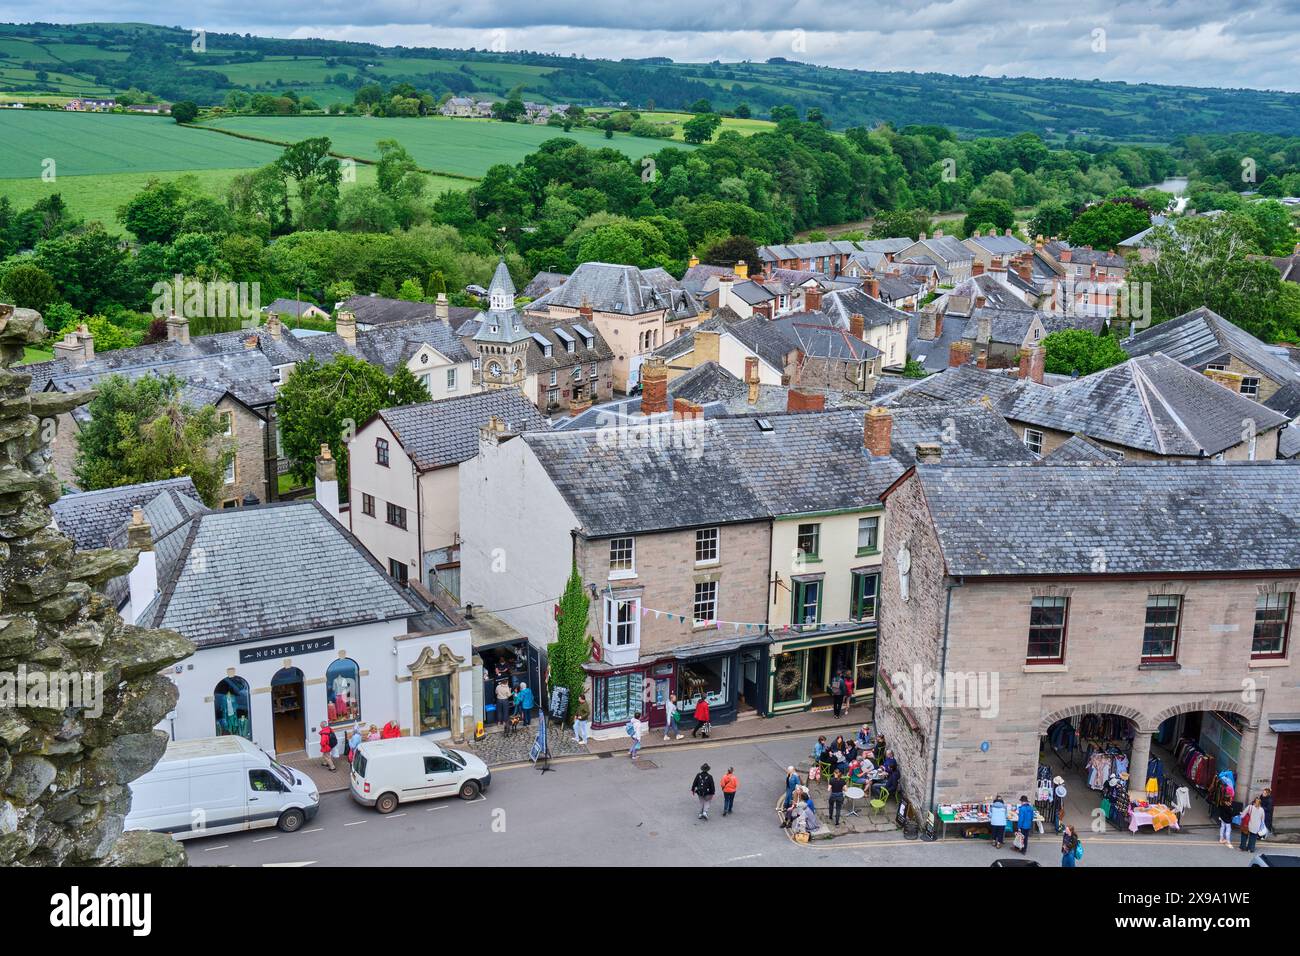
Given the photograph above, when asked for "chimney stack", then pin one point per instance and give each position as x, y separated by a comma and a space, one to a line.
178, 328
1065, 255
982, 362
441, 311
327, 482
877, 431
685, 410
872, 287
798, 400
983, 329
725, 283
857, 326
938, 234
751, 377
959, 353
345, 324
142, 580
812, 299
579, 405
273, 325
921, 238
742, 270
654, 386
693, 261
927, 325
708, 346
1024, 269
928, 453
87, 341
977, 268
71, 349
490, 434
1006, 232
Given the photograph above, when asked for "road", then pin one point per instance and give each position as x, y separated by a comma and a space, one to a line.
610, 812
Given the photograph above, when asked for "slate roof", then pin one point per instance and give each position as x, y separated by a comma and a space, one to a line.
621, 290
294, 307
843, 303
947, 249
1150, 403
998, 245
446, 432
389, 346
1288, 442
248, 375
378, 310
92, 518
806, 250
287, 568
560, 358
1098, 257
1137, 517
897, 244
965, 383
933, 353
966, 433
997, 294
544, 282
1080, 449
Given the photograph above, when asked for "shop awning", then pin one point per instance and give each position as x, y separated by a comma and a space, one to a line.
1284, 725
725, 646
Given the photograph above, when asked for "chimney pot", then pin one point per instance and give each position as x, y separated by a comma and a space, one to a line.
654, 386
1037, 363
983, 361
877, 431
977, 268
812, 299
441, 310
959, 353
928, 453
345, 324
857, 325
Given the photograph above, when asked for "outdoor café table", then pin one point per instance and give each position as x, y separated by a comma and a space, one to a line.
854, 794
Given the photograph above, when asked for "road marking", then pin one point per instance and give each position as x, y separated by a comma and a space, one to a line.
394, 816
264, 839
355, 823
748, 856
301, 863
209, 849
317, 830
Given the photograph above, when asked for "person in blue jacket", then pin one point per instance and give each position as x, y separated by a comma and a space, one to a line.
997, 821
1025, 820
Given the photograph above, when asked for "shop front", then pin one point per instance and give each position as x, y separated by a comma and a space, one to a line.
802, 662
516, 661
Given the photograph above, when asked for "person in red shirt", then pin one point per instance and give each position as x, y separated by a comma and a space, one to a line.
701, 718
729, 787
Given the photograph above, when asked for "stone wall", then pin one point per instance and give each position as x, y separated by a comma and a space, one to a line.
66, 760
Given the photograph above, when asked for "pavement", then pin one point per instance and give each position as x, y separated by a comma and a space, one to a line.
612, 811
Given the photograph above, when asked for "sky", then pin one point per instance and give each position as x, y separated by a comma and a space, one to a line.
1225, 43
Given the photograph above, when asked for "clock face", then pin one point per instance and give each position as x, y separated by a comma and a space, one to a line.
494, 368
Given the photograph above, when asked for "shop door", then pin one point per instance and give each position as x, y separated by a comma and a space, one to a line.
662, 685
288, 711
818, 661
1286, 771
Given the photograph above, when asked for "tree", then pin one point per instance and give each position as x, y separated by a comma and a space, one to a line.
1051, 219
742, 111
327, 404
89, 267
572, 646
185, 111
729, 251
900, 223
155, 213
141, 430
985, 211
29, 287
700, 129
1078, 351
1107, 224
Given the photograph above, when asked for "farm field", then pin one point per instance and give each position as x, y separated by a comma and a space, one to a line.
98, 197
746, 127
464, 147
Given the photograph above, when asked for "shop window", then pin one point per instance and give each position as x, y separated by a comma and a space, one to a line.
706, 602
806, 603
622, 622
343, 691
789, 675
869, 535
709, 679
866, 591
233, 707
435, 704
706, 545
809, 540
864, 665
1047, 616
1160, 635
381, 451
1272, 625
622, 557
618, 697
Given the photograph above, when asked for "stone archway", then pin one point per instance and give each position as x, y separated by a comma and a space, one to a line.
1092, 707
1249, 713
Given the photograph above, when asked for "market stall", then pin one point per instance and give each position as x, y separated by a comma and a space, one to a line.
977, 814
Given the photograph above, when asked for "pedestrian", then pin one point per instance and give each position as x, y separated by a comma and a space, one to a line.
1266, 801
328, 741
633, 729
701, 718
1024, 821
848, 692
1058, 802
525, 702
581, 720
791, 784
702, 787
1223, 813
672, 719
1069, 847
729, 787
836, 798
837, 693
503, 702
997, 821
1252, 821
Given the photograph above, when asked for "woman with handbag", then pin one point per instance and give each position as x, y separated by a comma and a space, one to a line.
1069, 847
1252, 821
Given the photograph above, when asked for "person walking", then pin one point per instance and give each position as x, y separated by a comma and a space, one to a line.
524, 700
1223, 813
1058, 802
701, 718
1025, 821
997, 821
848, 692
791, 784
837, 693
672, 719
581, 720
1252, 821
729, 787
1069, 847
836, 797
328, 741
1266, 801
702, 787
503, 702
633, 729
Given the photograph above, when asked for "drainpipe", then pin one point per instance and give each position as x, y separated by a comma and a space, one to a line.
942, 681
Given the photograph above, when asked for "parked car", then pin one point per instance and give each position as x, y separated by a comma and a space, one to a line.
386, 773
220, 785
1275, 859
1012, 861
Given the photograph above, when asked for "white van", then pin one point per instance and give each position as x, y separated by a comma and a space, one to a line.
220, 785
401, 769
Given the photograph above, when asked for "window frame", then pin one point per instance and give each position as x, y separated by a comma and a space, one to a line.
701, 538
858, 596
816, 536
1285, 625
1037, 442
874, 520
1064, 627
381, 452
395, 511
1148, 625
708, 602
799, 602
367, 504
613, 625
451, 379
618, 568
1251, 390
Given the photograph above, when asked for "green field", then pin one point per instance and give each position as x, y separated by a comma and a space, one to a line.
83, 144
98, 197
466, 147
746, 127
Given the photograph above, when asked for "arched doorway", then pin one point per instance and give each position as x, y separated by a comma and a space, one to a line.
232, 705
1205, 747
1085, 759
288, 711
